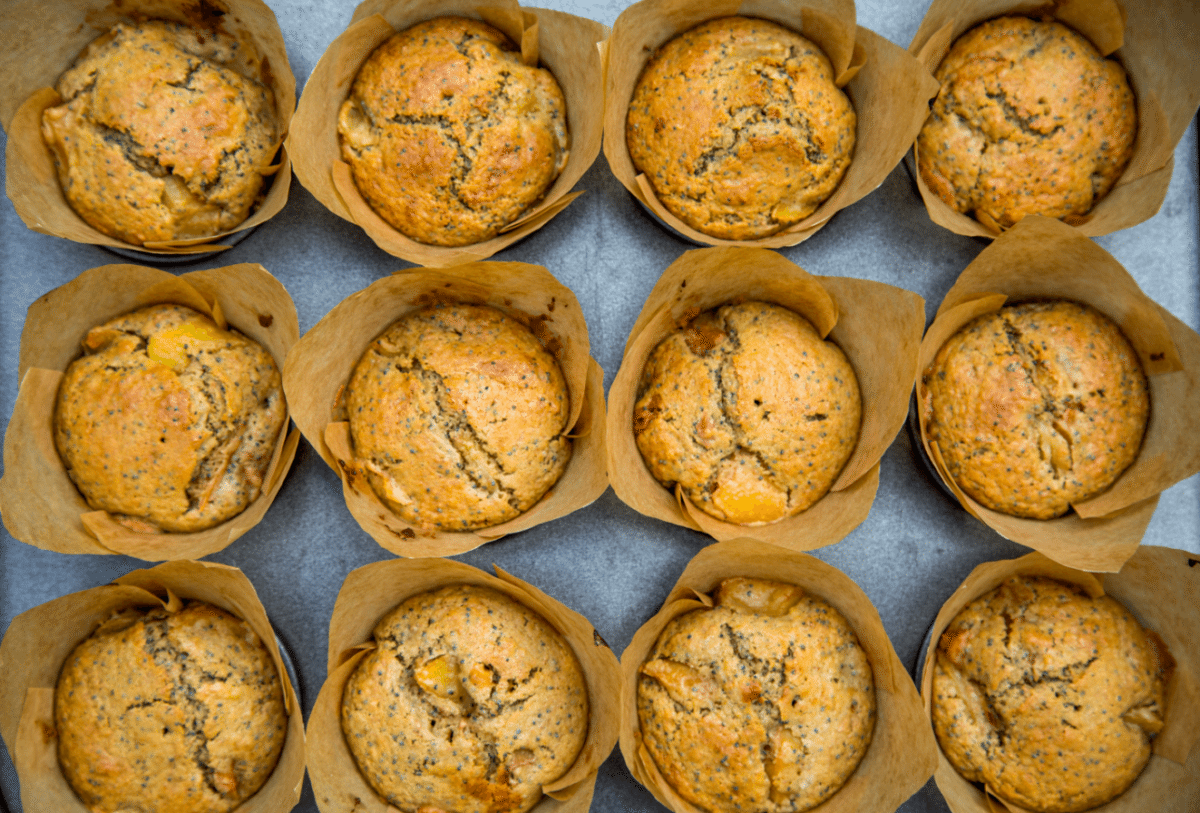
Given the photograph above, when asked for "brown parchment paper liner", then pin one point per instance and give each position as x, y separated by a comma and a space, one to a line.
902, 753
39, 640
319, 366
1160, 588
366, 596
890, 92
565, 44
876, 325
39, 39
1156, 41
38, 502
1043, 258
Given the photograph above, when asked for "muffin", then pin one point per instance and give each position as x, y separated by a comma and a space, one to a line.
470, 702
158, 138
764, 702
449, 135
1036, 406
738, 127
458, 414
749, 411
169, 711
1048, 696
1030, 119
167, 421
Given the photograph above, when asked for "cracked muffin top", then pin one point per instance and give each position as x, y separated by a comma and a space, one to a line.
158, 139
168, 422
1048, 696
749, 411
739, 128
449, 135
1036, 406
169, 711
470, 703
1030, 119
764, 703
458, 414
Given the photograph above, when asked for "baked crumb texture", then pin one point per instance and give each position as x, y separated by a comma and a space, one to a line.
1036, 406
763, 704
749, 410
167, 711
459, 415
168, 422
157, 139
739, 128
1048, 696
470, 703
1030, 119
449, 135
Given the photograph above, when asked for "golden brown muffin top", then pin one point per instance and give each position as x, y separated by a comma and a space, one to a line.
458, 413
158, 139
1036, 406
1047, 695
1030, 119
470, 703
449, 135
179, 712
739, 128
763, 704
749, 410
168, 422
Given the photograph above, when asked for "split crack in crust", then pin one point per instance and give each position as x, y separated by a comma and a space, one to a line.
763, 703
749, 410
1048, 696
1037, 406
471, 702
1030, 119
157, 138
738, 127
169, 711
458, 414
167, 422
450, 136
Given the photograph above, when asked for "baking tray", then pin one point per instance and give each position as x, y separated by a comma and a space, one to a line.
605, 561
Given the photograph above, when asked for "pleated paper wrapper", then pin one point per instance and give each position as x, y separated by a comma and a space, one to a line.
39, 503
371, 592
40, 640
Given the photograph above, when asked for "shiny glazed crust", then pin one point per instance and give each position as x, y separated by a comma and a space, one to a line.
763, 704
1048, 696
749, 411
1036, 406
1030, 119
470, 703
169, 711
168, 422
458, 413
449, 135
739, 128
157, 139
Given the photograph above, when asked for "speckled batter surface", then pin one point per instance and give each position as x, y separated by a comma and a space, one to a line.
1047, 695
469, 705
1030, 119
157, 139
749, 410
1036, 406
458, 413
179, 712
763, 704
449, 135
168, 422
739, 128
